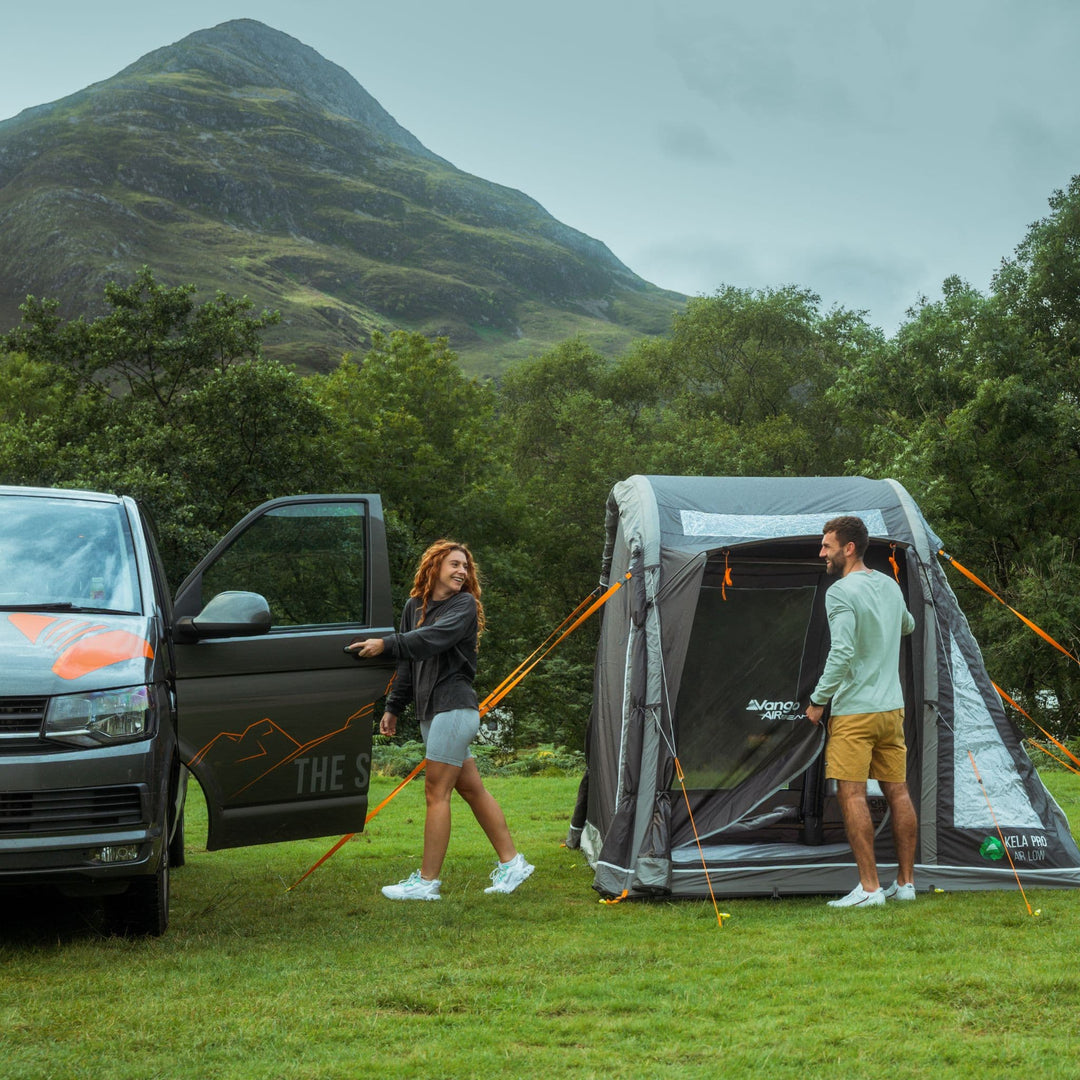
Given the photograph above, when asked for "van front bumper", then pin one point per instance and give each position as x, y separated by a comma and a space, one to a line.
101, 817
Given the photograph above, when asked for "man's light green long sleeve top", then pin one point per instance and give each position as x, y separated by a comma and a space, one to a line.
867, 618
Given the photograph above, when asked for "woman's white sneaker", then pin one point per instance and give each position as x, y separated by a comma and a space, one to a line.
506, 877
414, 887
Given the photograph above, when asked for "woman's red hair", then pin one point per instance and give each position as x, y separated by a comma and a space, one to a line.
427, 577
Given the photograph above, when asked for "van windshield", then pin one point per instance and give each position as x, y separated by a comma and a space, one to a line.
64, 554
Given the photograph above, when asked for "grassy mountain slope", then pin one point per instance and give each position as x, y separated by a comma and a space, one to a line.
239, 159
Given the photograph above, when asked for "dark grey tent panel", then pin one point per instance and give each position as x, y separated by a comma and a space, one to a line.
705, 661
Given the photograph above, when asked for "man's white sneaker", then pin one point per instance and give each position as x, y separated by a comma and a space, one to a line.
414, 887
900, 892
859, 897
506, 877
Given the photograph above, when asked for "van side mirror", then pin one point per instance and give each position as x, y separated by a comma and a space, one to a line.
229, 614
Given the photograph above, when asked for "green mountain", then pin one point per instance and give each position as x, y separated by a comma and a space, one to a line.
239, 159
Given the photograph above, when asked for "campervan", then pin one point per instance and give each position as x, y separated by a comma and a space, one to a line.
112, 692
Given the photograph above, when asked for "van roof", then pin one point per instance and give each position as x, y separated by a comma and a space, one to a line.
60, 493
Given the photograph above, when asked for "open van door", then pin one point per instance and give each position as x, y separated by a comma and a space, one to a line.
272, 716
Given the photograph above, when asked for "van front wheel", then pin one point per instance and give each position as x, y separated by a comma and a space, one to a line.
143, 909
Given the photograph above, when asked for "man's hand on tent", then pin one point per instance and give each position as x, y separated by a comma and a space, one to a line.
814, 713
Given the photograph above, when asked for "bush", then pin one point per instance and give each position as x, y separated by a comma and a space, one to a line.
545, 760
1054, 759
399, 759
395, 759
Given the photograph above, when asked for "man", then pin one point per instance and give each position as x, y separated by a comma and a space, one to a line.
867, 617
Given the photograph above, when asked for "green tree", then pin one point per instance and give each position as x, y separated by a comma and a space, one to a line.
974, 408
409, 419
154, 343
413, 427
750, 372
575, 424
165, 399
747, 355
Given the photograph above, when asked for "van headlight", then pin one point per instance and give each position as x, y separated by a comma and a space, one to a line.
103, 716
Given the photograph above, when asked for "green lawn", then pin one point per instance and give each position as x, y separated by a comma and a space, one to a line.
330, 980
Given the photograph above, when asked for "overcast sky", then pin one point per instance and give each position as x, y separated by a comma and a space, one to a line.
864, 149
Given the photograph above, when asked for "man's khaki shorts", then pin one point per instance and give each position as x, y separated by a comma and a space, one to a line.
867, 745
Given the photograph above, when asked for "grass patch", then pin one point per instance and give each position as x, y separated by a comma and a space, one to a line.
330, 980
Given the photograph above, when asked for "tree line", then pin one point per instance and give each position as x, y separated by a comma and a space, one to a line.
974, 405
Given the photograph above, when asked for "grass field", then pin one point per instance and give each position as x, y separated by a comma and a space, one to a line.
332, 981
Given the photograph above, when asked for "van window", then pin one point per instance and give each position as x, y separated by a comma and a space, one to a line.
308, 559
66, 553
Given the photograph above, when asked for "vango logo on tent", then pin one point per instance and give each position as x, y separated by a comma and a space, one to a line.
776, 710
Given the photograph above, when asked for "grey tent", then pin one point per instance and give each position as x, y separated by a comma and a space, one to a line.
706, 658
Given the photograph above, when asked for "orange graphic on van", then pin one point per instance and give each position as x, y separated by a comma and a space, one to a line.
81, 647
258, 750
248, 756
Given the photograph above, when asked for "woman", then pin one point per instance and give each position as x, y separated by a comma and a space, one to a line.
436, 653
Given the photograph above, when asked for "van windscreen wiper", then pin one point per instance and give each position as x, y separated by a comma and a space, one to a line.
59, 605
65, 605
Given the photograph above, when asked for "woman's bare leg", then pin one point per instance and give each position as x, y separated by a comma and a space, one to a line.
440, 780
486, 810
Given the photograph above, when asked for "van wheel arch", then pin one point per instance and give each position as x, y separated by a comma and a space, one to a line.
142, 910
177, 803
